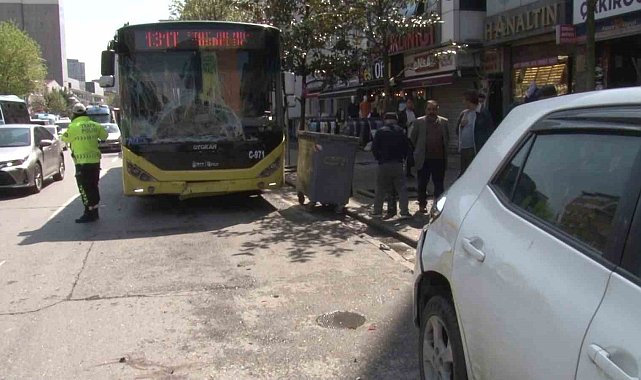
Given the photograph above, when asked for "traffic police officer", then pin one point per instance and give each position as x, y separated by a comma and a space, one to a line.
82, 138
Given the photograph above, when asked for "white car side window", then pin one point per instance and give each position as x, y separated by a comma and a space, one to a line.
574, 181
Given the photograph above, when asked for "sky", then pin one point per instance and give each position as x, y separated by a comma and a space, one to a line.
91, 24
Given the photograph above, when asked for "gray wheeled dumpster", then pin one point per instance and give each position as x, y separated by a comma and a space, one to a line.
325, 168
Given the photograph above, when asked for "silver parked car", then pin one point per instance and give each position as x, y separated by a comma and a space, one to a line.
29, 154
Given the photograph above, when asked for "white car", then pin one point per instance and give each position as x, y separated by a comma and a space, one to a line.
531, 265
112, 143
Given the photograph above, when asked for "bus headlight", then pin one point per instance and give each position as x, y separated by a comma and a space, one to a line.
139, 173
271, 169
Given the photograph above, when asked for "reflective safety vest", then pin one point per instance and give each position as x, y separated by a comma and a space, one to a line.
82, 137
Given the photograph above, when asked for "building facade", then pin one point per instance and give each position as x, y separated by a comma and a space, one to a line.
76, 70
418, 66
522, 50
43, 21
618, 46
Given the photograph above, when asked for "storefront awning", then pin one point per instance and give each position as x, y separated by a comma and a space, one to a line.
428, 81
340, 92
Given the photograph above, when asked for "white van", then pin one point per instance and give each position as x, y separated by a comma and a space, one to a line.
13, 110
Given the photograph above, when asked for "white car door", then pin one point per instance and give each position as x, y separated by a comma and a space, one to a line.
612, 347
532, 261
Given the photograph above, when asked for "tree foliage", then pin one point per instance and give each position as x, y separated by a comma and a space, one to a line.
56, 102
21, 67
222, 10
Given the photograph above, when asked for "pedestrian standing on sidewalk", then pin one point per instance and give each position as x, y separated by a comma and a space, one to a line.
390, 149
82, 138
474, 128
364, 108
405, 119
430, 137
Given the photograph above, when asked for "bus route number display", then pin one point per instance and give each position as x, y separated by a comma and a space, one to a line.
203, 39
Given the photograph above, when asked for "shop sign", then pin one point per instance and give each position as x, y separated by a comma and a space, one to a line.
412, 40
537, 63
493, 61
373, 72
604, 9
427, 63
521, 23
565, 34
623, 25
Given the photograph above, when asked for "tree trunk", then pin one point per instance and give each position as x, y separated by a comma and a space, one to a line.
590, 53
303, 106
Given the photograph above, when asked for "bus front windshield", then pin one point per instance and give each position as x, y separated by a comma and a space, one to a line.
198, 96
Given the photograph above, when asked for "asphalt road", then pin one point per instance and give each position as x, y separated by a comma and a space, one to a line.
215, 288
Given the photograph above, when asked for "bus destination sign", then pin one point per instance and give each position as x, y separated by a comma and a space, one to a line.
189, 39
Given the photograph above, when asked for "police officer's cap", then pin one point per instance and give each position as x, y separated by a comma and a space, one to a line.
78, 109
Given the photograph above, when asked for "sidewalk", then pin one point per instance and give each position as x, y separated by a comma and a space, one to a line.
360, 205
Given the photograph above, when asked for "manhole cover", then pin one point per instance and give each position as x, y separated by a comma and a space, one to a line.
341, 320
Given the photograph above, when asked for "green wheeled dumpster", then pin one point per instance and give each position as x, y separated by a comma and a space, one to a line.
325, 168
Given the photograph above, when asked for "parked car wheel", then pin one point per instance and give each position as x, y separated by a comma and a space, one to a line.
60, 175
37, 179
440, 348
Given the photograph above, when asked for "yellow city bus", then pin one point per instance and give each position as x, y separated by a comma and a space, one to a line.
201, 108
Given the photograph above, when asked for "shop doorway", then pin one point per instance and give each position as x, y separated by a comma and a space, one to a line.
624, 62
495, 100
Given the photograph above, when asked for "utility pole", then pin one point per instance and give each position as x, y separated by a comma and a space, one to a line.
590, 59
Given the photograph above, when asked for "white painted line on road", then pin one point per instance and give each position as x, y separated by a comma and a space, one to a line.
3, 262
64, 206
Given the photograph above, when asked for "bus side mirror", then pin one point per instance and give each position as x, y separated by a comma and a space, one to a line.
107, 81
108, 63
290, 83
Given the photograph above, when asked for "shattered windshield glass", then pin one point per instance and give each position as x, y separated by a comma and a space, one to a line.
197, 96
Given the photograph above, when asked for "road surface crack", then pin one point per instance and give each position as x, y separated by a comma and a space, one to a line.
84, 264
68, 298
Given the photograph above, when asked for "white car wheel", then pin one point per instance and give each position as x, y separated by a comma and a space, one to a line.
440, 347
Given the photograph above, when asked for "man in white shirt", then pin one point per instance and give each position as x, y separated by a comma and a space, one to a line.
474, 128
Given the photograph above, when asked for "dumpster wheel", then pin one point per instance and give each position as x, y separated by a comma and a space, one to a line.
301, 198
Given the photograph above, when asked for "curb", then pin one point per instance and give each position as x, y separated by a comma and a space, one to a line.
378, 225
383, 228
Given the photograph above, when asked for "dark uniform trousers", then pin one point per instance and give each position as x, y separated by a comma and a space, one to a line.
87, 177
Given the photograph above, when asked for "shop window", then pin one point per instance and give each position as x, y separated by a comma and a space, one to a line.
556, 75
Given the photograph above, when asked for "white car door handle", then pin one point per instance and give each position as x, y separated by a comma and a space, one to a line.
601, 359
471, 250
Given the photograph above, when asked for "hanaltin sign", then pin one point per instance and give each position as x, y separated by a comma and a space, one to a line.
513, 24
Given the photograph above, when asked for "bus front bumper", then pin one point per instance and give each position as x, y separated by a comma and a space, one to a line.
200, 189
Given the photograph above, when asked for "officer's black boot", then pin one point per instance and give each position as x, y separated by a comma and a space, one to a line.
88, 216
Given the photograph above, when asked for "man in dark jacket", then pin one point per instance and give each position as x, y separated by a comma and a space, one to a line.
474, 128
430, 137
390, 148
